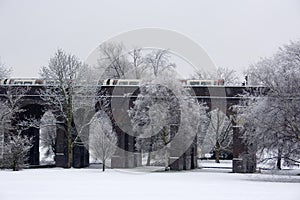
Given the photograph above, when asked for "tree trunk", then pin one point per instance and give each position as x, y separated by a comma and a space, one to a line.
103, 166
149, 152
70, 147
166, 144
278, 164
217, 152
70, 154
166, 159
69, 132
149, 158
15, 165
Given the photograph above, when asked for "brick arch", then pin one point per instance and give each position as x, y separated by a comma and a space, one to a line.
32, 111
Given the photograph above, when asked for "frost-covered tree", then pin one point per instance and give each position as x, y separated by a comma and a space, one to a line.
10, 108
219, 134
4, 71
272, 122
63, 75
15, 150
14, 147
156, 135
151, 118
4, 112
47, 125
163, 109
103, 139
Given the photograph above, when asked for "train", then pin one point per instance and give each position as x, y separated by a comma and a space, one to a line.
136, 82
28, 81
108, 82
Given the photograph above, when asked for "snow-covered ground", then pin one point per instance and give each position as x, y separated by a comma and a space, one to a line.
213, 164
146, 183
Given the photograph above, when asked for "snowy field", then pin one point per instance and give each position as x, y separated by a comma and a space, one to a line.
146, 183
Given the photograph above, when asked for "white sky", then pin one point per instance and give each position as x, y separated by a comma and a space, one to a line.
234, 33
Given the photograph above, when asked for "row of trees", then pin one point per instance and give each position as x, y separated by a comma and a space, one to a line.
270, 122
67, 101
155, 115
117, 62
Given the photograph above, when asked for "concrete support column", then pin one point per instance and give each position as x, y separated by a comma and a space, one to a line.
186, 160
244, 158
124, 157
80, 156
61, 156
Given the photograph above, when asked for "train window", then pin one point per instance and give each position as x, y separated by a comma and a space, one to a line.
123, 83
206, 82
133, 83
27, 83
18, 82
194, 83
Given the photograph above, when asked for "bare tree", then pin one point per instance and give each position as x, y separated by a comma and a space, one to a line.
103, 140
159, 61
117, 62
229, 76
113, 60
138, 63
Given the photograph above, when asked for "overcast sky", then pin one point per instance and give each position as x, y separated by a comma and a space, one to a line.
234, 33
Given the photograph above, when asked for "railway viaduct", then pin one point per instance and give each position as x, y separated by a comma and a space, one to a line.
223, 97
